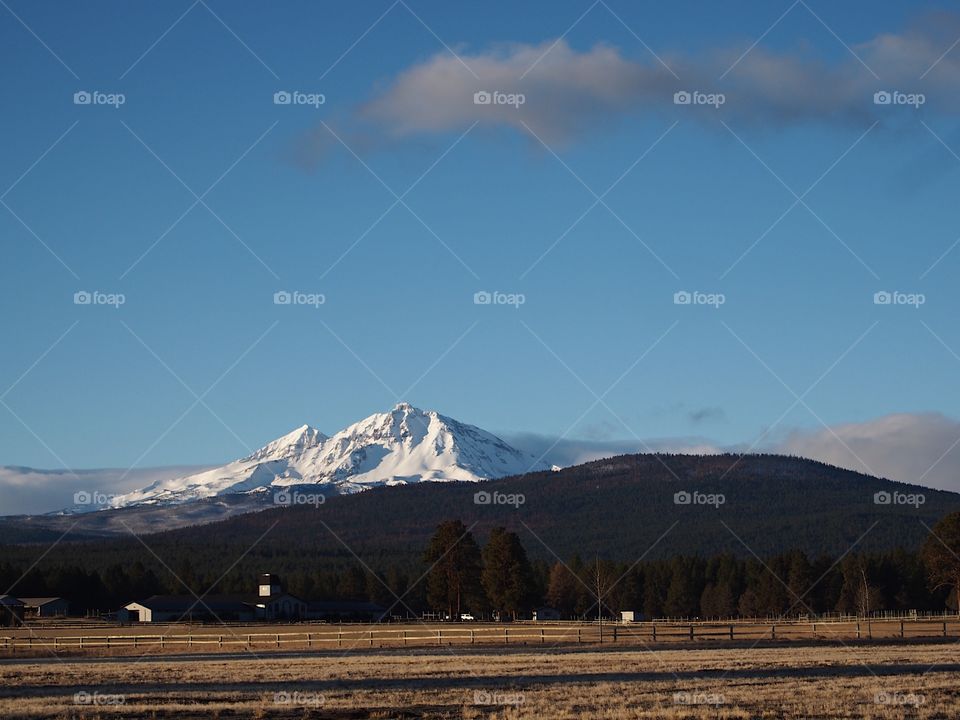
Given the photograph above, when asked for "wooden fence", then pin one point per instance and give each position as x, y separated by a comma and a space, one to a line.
526, 634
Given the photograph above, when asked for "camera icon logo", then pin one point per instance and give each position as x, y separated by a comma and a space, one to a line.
682, 97
482, 97
82, 297
282, 498
882, 498
682, 498
82, 497
482, 298
882, 97
882, 297
682, 297
282, 97
482, 498
282, 297
82, 97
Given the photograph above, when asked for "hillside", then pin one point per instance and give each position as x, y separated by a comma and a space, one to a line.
616, 507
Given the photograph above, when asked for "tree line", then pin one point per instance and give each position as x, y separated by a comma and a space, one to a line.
455, 575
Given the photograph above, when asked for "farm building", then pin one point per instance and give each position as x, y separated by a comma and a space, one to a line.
270, 603
11, 611
542, 614
45, 607
336, 611
630, 616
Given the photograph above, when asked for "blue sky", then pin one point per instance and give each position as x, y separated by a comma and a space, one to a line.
296, 190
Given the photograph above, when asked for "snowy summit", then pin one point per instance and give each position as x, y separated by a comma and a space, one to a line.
404, 445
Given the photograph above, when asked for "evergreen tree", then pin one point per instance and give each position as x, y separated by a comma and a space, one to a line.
453, 581
507, 577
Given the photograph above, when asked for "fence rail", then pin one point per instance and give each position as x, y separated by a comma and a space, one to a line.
529, 634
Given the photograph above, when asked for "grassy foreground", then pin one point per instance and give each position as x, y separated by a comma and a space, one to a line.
865, 681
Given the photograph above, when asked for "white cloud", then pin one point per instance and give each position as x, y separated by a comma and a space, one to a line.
919, 448
570, 92
25, 491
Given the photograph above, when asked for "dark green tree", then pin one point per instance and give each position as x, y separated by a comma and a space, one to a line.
507, 576
453, 580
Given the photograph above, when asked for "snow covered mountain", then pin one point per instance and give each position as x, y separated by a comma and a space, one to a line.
404, 445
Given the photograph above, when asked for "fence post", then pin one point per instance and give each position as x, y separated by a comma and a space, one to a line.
654, 628
691, 632
901, 628
542, 640
773, 632
309, 640
578, 635
439, 636
370, 633
731, 631
339, 636
506, 636
944, 629
472, 638
614, 633
404, 638
161, 642
220, 640
858, 631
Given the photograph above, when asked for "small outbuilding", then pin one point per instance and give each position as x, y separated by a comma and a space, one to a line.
544, 614
11, 611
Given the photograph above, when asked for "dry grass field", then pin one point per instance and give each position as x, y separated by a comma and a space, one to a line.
876, 680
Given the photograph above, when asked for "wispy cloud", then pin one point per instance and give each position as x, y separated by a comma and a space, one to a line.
572, 92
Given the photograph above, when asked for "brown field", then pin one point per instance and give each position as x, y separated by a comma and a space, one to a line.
100, 639
879, 679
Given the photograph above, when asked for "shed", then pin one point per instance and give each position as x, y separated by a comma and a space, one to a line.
11, 611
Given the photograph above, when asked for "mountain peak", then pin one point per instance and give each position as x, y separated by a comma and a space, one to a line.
293, 443
404, 445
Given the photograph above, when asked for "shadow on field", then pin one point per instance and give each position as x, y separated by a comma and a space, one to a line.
248, 689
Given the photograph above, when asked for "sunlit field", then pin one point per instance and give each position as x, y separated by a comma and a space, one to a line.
872, 681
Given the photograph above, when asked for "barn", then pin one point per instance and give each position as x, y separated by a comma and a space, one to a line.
270, 603
46, 607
